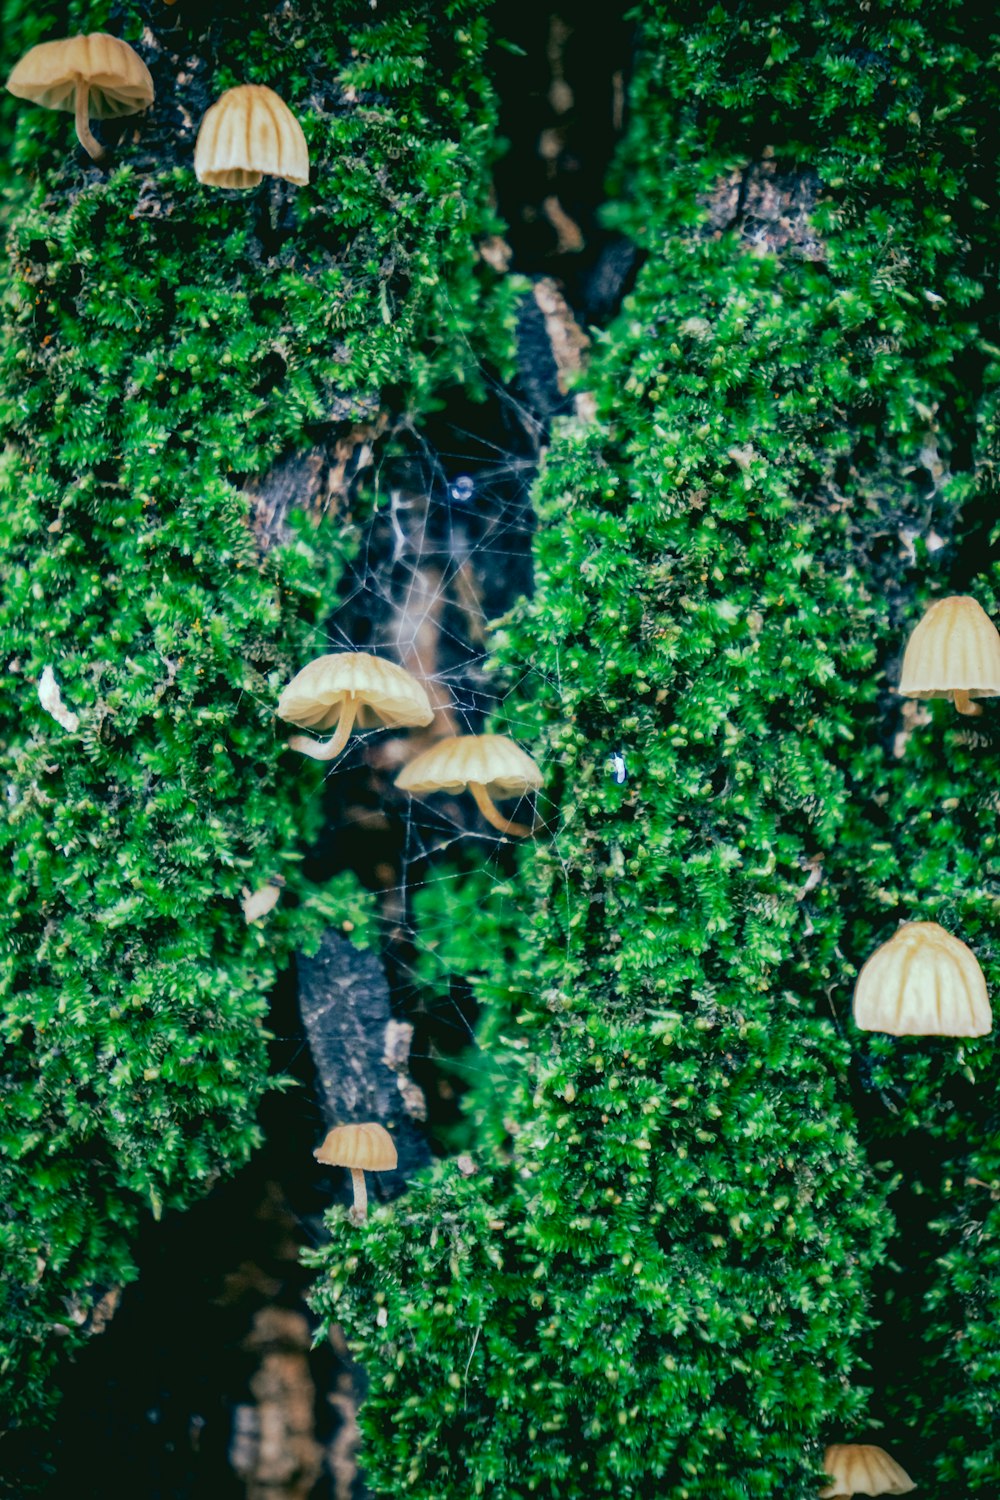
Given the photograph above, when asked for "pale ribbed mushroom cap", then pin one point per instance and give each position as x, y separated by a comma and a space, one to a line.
249, 132
385, 693
956, 645
116, 75
922, 982
368, 1148
492, 760
863, 1469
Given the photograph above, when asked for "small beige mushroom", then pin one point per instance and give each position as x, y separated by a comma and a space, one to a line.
862, 1469
348, 688
361, 1148
250, 133
954, 653
489, 765
922, 982
95, 77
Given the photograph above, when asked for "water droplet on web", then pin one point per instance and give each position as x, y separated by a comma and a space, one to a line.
462, 489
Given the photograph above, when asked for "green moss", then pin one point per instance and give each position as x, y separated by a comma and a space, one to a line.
663, 1284
165, 343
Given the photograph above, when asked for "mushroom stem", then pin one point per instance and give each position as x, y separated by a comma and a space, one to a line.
359, 1208
317, 749
964, 703
85, 135
494, 816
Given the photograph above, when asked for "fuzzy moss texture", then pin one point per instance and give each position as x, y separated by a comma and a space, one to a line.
166, 344
667, 1282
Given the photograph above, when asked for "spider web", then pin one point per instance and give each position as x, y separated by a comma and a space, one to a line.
446, 550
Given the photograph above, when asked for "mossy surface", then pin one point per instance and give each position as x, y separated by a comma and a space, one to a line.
665, 1281
165, 345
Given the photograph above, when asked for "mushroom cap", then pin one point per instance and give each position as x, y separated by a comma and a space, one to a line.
385, 693
250, 132
368, 1147
955, 645
493, 760
863, 1469
922, 982
118, 78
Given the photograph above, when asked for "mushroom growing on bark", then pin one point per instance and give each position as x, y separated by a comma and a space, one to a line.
361, 1148
862, 1469
349, 688
250, 133
922, 982
954, 653
95, 77
489, 765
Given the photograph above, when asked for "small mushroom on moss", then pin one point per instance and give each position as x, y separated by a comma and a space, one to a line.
922, 982
954, 653
348, 688
862, 1469
489, 765
96, 77
361, 1148
250, 133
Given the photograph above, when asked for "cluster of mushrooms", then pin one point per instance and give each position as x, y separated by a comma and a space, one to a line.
248, 133
351, 688
922, 982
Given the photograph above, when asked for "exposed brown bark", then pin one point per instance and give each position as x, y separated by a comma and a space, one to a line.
324, 479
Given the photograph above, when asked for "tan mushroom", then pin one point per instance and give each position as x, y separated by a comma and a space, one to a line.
348, 688
862, 1469
489, 765
95, 77
250, 133
922, 982
954, 653
361, 1148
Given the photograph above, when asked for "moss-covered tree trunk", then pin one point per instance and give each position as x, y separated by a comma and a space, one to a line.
666, 1273
705, 1227
167, 347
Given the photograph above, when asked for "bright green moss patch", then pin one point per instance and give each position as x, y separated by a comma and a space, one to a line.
166, 343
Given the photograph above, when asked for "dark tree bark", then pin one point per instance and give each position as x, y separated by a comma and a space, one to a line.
361, 1052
